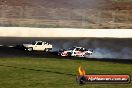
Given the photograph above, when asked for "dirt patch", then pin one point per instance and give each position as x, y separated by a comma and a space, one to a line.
84, 4
58, 3
66, 13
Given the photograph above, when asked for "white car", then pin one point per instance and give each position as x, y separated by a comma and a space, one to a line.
76, 51
38, 46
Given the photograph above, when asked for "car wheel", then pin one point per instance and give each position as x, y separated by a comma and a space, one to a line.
30, 49
68, 54
46, 50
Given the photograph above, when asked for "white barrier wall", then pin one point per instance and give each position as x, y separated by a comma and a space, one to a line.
64, 32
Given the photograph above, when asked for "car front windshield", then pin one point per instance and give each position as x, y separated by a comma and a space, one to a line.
71, 48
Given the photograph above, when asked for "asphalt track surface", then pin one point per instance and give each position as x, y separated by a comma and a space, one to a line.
8, 50
8, 46
12, 52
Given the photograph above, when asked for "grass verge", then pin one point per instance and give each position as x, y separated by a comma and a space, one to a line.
55, 73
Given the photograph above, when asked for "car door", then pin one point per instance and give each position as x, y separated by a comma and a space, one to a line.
38, 46
75, 51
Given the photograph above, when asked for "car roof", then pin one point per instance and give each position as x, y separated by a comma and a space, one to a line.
38, 41
78, 47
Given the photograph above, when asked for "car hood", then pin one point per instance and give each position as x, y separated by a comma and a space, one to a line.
27, 45
68, 51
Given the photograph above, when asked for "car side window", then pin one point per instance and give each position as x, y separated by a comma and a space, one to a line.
44, 43
82, 49
39, 43
77, 49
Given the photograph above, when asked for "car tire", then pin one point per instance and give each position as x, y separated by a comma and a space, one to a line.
46, 50
68, 54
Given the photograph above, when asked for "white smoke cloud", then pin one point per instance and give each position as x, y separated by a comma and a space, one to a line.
102, 49
106, 53
103, 53
126, 53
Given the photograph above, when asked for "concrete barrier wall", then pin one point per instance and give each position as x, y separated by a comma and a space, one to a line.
64, 32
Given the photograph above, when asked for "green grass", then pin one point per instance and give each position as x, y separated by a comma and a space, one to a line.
55, 73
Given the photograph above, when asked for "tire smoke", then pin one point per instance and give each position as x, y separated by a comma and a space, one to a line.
103, 48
